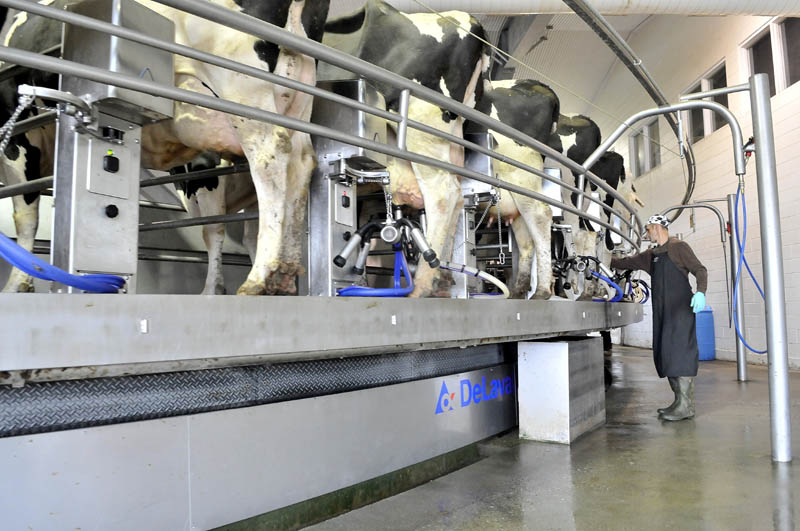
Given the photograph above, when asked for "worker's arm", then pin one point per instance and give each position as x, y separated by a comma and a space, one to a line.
639, 261
686, 257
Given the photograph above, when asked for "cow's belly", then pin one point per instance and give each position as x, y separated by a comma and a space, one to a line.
193, 130
405, 177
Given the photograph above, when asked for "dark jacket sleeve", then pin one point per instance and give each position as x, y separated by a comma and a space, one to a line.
639, 261
685, 257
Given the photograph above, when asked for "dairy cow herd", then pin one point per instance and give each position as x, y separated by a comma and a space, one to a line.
446, 54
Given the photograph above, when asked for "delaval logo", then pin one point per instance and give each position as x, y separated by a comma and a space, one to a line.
474, 393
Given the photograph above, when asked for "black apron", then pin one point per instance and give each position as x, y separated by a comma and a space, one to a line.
674, 340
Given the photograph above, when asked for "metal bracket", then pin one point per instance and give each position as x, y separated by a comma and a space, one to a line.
74, 106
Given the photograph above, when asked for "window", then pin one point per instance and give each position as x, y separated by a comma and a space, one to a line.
718, 80
655, 147
696, 128
775, 50
644, 145
761, 60
699, 123
791, 31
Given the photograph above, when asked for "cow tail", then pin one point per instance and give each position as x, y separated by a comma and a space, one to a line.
347, 23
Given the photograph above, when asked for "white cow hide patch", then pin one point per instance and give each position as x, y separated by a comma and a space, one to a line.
431, 24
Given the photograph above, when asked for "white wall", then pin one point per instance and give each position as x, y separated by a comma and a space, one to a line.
678, 51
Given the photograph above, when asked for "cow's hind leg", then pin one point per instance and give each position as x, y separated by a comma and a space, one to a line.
212, 203
522, 280
26, 219
267, 149
284, 279
538, 219
442, 194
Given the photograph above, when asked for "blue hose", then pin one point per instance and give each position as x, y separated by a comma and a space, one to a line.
400, 265
30, 264
618, 296
742, 260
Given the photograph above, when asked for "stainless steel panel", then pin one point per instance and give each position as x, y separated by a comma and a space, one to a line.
47, 331
206, 470
130, 476
86, 239
330, 222
55, 406
464, 253
349, 120
249, 461
478, 162
345, 212
101, 50
328, 229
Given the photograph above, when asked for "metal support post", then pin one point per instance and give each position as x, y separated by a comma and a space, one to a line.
772, 258
741, 354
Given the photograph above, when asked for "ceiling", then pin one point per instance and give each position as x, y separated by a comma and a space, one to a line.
559, 50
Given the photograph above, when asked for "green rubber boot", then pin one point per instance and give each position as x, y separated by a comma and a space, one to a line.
673, 384
685, 407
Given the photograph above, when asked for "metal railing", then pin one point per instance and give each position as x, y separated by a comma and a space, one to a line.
264, 30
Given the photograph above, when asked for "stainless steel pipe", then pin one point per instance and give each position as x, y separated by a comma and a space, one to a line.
736, 131
772, 259
741, 353
64, 67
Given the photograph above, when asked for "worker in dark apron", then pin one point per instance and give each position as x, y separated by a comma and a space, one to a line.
674, 341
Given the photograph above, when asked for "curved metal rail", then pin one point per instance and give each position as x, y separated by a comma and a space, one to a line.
625, 53
264, 30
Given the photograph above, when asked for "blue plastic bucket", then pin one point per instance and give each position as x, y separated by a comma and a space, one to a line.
704, 326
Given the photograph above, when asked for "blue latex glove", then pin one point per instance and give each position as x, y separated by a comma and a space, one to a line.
698, 301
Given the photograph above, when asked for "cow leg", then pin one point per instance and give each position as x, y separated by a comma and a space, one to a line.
585, 242
26, 220
538, 219
212, 203
301, 165
442, 195
267, 149
250, 239
522, 280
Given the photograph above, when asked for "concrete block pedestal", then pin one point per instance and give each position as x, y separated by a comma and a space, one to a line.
561, 389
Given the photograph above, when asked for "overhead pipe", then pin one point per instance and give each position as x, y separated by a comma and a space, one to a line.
617, 44
607, 7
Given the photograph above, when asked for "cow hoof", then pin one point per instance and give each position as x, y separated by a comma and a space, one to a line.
251, 288
518, 293
21, 287
442, 284
541, 294
283, 281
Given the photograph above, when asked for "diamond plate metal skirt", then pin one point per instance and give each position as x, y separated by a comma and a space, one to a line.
53, 406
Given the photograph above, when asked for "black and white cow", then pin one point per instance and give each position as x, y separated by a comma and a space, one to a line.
280, 160
530, 107
580, 137
439, 54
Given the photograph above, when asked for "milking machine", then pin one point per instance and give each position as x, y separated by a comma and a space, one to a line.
96, 216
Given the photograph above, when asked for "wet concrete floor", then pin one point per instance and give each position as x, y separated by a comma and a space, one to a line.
712, 472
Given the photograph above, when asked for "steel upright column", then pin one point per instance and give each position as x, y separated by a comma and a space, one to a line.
772, 258
741, 353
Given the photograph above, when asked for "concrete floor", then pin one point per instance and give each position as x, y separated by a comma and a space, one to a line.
712, 472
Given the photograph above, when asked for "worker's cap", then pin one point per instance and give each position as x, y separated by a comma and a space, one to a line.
658, 219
